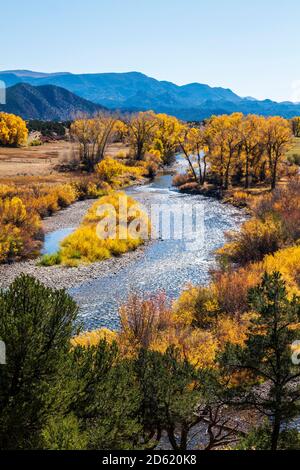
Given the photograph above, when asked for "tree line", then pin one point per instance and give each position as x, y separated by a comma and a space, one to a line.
222, 150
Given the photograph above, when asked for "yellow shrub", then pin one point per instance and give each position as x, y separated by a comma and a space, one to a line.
19, 230
8, 191
197, 306
195, 345
287, 262
11, 242
86, 245
230, 330
66, 194
256, 239
109, 169
93, 338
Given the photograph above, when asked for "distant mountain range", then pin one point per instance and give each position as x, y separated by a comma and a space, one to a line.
134, 91
46, 103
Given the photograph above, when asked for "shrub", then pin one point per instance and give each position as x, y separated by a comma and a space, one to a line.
256, 239
142, 319
109, 169
231, 287
284, 204
93, 338
20, 230
239, 199
90, 188
50, 260
197, 306
35, 143
66, 194
85, 245
181, 179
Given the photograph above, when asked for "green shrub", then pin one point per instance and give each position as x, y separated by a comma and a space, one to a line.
50, 260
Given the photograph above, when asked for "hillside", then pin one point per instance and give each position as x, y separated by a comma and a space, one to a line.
46, 102
136, 91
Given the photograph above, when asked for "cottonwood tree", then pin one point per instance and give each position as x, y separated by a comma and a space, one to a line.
295, 123
225, 146
93, 136
193, 143
141, 131
277, 137
251, 137
166, 135
13, 130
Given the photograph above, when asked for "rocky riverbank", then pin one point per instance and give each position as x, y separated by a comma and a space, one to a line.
62, 276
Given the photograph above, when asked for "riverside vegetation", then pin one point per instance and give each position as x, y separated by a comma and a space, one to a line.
218, 351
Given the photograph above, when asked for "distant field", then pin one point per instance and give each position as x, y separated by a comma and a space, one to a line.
41, 160
31, 161
294, 153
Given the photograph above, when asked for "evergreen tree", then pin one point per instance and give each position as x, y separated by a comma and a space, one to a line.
267, 355
36, 324
170, 396
107, 400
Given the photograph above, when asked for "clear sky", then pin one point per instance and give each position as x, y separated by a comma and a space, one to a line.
250, 46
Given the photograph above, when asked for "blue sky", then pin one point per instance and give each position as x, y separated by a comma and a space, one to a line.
251, 47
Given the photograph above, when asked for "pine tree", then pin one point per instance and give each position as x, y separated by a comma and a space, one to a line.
36, 324
267, 355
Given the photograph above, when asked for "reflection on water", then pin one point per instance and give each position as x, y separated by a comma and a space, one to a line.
53, 239
165, 264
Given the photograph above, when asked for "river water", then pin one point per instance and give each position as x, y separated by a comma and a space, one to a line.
167, 264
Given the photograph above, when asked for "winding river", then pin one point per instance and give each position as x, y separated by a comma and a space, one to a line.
166, 264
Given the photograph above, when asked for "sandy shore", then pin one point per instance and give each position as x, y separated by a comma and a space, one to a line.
61, 276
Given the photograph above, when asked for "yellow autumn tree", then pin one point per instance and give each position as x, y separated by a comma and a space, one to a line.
225, 133
13, 130
93, 137
141, 131
193, 144
277, 138
166, 134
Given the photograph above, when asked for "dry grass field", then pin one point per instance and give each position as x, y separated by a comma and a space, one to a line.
41, 161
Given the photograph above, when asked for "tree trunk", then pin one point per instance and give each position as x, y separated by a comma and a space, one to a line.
184, 437
172, 438
274, 176
275, 432
247, 173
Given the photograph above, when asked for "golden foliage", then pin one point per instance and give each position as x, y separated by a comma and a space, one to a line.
255, 239
93, 338
150, 323
19, 230
235, 148
92, 241
197, 306
13, 130
110, 169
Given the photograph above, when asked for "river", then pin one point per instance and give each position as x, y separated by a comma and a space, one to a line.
166, 264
